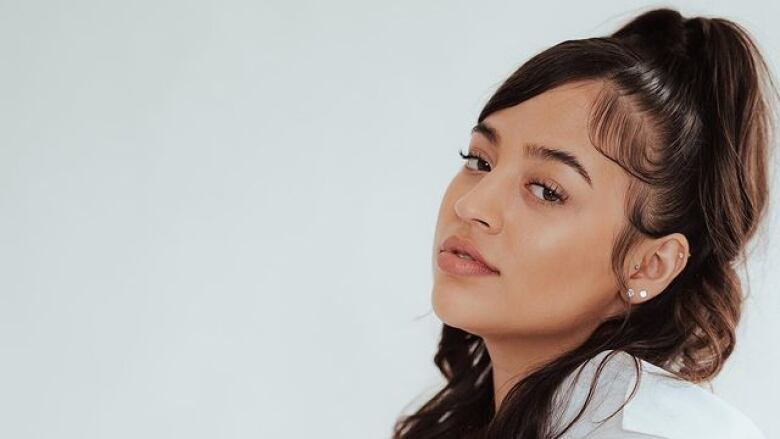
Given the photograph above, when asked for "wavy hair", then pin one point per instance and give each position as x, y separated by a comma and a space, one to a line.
686, 109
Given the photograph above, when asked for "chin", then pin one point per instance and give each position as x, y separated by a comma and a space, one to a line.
456, 308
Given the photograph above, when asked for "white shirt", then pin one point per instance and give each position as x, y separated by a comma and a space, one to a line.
665, 406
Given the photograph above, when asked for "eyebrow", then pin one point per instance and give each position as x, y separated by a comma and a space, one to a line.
536, 150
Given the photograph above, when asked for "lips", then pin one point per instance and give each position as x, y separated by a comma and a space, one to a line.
456, 244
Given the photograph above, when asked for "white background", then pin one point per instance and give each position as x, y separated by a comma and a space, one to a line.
216, 218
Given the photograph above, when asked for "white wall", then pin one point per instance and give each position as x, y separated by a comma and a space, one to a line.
216, 218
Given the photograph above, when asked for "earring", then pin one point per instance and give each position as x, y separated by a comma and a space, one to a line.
642, 293
636, 267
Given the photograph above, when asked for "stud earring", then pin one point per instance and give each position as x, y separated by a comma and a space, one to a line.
643, 293
636, 267
630, 292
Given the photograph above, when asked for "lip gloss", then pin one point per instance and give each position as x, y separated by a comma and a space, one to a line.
454, 264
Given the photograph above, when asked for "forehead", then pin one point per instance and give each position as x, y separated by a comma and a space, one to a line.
558, 118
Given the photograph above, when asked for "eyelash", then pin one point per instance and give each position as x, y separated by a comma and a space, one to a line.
556, 193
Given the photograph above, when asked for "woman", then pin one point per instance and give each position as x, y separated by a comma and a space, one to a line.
584, 256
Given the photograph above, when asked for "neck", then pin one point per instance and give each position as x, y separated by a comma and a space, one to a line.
513, 359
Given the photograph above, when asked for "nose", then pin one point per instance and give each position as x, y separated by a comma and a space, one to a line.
483, 205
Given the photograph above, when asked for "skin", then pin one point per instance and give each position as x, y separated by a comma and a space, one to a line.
555, 283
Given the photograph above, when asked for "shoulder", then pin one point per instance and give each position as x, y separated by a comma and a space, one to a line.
668, 406
664, 404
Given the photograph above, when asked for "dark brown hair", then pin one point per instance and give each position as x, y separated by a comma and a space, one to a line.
686, 110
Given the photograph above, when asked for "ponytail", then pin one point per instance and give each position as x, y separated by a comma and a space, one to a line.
733, 178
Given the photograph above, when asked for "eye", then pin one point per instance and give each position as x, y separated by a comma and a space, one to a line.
549, 189
475, 156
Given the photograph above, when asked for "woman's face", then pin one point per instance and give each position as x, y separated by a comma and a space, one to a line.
552, 251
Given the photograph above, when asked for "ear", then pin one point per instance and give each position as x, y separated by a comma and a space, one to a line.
663, 259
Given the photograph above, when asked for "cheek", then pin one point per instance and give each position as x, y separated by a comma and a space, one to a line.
560, 276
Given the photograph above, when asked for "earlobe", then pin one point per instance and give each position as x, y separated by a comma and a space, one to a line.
642, 293
630, 293
661, 269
